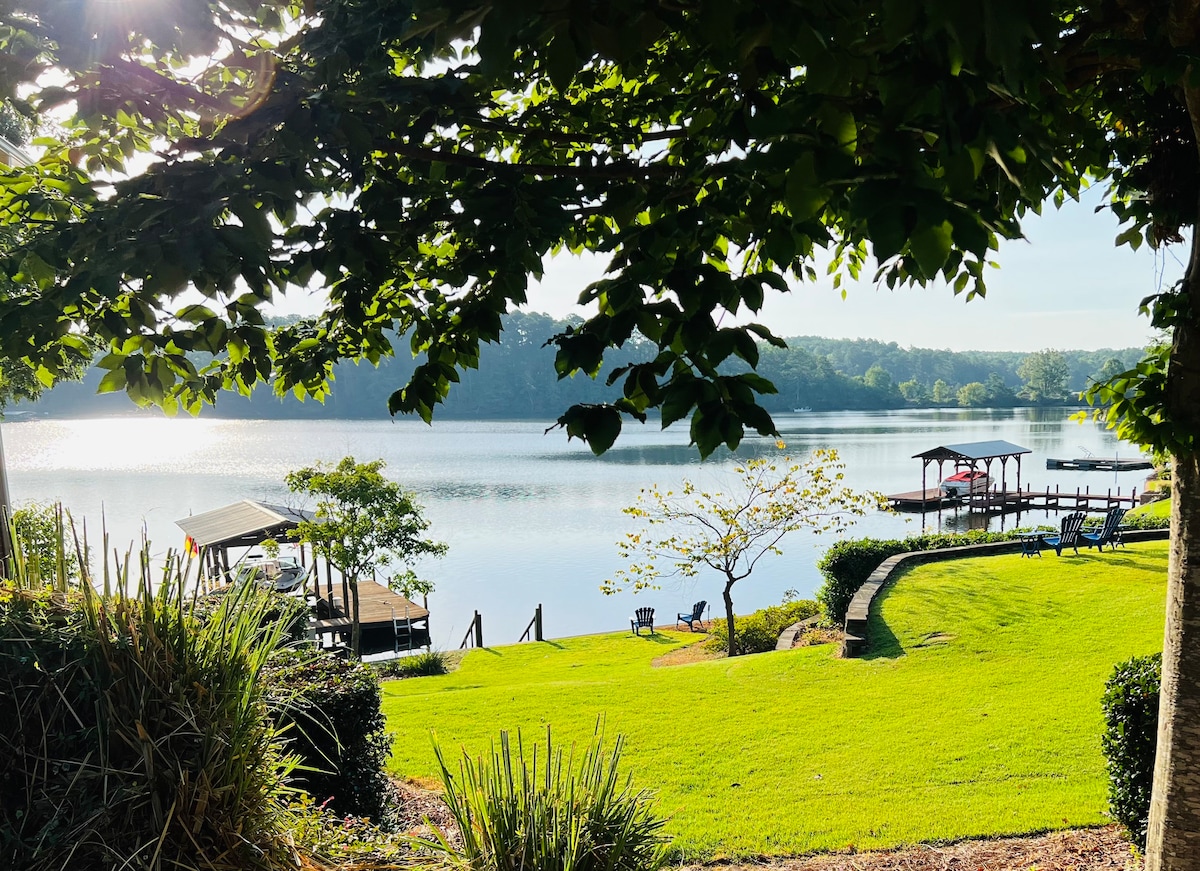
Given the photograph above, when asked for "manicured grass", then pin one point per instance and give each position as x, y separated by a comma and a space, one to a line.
1161, 508
978, 713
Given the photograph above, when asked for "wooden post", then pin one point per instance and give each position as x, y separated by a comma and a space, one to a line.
537, 623
478, 630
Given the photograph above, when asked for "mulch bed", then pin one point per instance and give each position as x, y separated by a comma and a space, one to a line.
1100, 849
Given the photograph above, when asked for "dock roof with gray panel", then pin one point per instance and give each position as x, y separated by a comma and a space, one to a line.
243, 523
973, 451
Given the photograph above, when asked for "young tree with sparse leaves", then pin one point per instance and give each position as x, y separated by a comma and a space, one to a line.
363, 522
693, 529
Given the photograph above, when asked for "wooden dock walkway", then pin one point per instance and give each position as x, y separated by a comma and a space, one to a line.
1100, 464
388, 619
1081, 498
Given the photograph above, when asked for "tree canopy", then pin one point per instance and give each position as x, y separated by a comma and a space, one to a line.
363, 523
421, 159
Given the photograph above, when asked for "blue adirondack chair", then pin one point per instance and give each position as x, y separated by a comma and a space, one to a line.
1068, 535
1108, 534
643, 618
697, 616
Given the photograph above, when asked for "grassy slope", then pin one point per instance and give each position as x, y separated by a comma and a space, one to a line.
978, 715
1161, 508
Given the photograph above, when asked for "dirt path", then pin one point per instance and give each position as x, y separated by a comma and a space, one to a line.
1076, 850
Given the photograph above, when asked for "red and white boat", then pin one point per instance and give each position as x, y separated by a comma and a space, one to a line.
965, 482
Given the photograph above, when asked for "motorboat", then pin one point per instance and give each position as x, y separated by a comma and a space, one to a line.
283, 574
966, 482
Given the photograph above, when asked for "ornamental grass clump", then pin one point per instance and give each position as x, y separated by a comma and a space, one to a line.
137, 734
544, 814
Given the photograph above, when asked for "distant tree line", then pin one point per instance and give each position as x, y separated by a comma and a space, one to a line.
516, 380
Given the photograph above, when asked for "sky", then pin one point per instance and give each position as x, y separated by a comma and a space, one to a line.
1066, 286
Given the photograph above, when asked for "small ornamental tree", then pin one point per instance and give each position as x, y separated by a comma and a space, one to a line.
686, 531
363, 522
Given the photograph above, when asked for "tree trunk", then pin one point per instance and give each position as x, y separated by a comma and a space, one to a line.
355, 622
1173, 839
729, 617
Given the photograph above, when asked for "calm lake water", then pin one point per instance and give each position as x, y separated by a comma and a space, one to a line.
528, 516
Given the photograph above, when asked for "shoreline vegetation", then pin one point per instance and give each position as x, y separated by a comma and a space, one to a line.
516, 380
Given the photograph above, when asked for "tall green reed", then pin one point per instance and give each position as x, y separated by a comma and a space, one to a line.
144, 740
544, 813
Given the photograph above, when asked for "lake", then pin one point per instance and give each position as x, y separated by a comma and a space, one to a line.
529, 517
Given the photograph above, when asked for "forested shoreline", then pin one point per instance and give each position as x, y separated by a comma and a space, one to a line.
516, 379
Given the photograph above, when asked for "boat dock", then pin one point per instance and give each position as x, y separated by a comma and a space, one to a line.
1100, 464
1082, 498
389, 621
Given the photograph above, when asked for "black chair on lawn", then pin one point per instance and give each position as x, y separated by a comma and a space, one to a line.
1109, 533
643, 618
1068, 535
697, 616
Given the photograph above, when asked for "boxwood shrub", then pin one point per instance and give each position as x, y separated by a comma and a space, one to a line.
759, 632
847, 565
1130, 707
332, 707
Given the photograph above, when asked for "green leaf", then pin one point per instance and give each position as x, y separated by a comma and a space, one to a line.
805, 194
931, 246
112, 382
678, 399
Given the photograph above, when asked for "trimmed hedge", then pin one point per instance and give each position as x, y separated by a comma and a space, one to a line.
759, 632
332, 707
1130, 707
847, 565
1146, 521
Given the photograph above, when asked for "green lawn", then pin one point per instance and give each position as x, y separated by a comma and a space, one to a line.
977, 714
1161, 508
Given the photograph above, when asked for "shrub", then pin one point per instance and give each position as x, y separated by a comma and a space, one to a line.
427, 664
848, 563
546, 814
1130, 707
330, 709
146, 742
759, 632
1146, 520
290, 612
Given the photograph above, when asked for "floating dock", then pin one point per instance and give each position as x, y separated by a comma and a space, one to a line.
1082, 498
1100, 464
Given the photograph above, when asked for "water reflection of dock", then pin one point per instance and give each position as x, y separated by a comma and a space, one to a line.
1081, 499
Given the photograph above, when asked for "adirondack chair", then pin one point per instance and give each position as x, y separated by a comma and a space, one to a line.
1068, 535
697, 616
1108, 534
643, 618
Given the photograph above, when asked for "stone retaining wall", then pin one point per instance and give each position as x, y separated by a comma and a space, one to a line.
855, 640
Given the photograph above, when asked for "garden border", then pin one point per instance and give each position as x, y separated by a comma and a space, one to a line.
854, 637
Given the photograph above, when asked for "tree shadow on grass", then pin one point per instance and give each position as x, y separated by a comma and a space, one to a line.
882, 642
658, 638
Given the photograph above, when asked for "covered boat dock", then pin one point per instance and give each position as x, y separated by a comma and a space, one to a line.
970, 456
390, 622
965, 456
